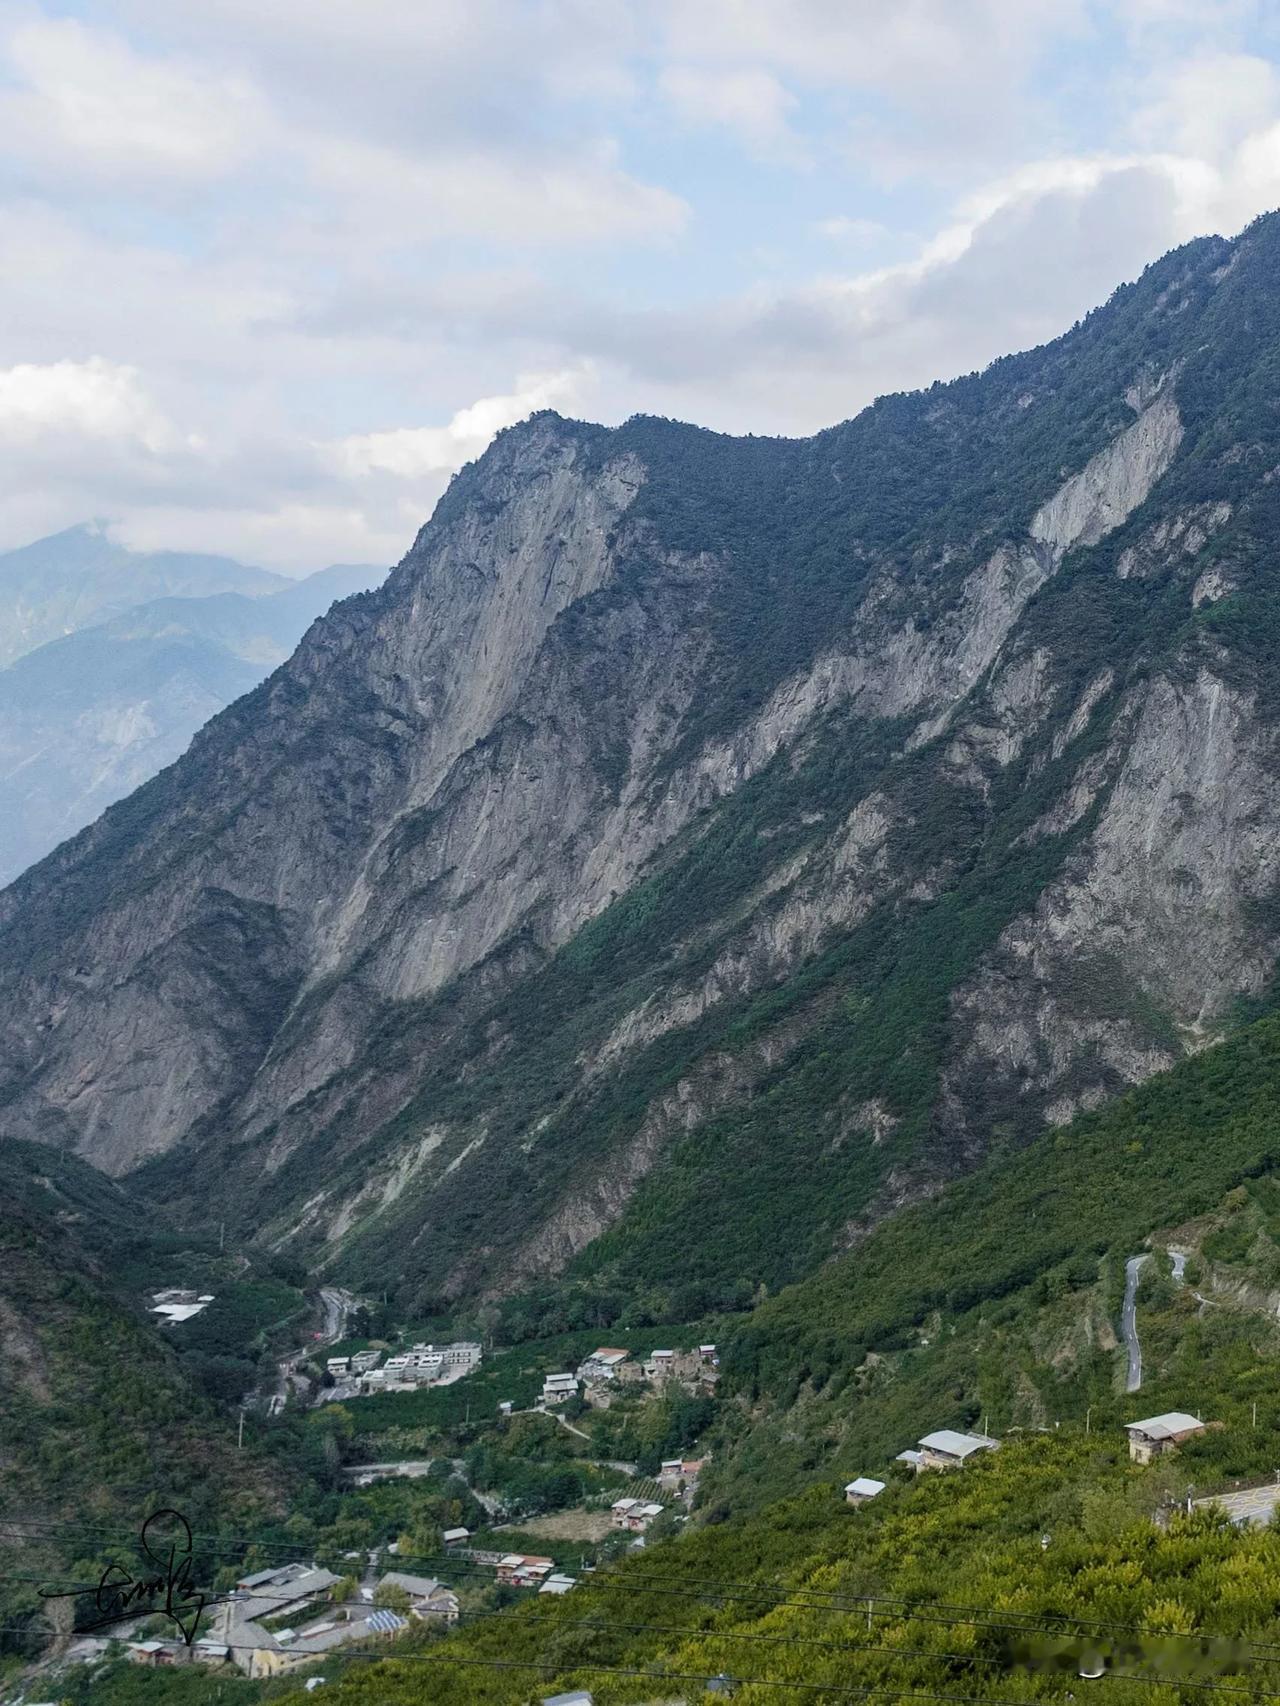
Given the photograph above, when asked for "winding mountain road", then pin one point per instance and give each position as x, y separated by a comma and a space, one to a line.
338, 1305
1129, 1320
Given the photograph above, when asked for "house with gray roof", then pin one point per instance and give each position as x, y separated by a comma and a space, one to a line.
947, 1449
1158, 1435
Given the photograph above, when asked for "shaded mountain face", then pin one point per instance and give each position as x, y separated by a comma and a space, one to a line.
81, 576
87, 718
701, 847
100, 1422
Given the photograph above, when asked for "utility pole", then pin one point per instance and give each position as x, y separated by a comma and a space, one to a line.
222, 1233
240, 1440
1087, 1414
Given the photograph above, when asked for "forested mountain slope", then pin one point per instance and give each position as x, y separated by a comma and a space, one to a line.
993, 1306
778, 824
100, 1421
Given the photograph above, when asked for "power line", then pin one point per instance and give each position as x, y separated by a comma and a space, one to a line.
694, 1632
656, 1675
701, 1632
943, 1613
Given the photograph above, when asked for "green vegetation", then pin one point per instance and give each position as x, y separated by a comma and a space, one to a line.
101, 1422
782, 537
935, 1586
843, 1340
1168, 1150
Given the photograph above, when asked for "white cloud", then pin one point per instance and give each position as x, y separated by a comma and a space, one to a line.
313, 232
409, 453
751, 103
291, 537
541, 199
362, 497
85, 100
1208, 105
842, 229
93, 399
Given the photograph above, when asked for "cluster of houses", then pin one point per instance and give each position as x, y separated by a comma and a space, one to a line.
947, 1449
161, 1655
360, 1362
609, 1367
280, 1619
633, 1515
420, 1365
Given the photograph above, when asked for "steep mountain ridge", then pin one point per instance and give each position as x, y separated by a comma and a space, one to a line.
788, 820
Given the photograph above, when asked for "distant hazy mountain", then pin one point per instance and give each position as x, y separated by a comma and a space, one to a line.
76, 578
86, 718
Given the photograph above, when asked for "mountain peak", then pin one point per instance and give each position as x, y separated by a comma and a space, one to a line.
697, 818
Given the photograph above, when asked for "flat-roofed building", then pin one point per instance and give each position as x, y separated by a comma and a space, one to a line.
858, 1491
557, 1388
947, 1449
602, 1364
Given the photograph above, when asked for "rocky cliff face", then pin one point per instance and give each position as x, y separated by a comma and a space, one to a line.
687, 819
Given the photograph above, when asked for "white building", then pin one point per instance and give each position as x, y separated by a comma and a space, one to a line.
461, 1356
858, 1491
556, 1388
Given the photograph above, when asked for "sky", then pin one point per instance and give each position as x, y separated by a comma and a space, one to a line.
272, 270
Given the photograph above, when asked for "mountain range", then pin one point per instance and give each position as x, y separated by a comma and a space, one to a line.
818, 894
83, 575
701, 848
116, 658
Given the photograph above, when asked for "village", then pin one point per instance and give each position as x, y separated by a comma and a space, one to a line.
605, 1371
294, 1616
279, 1619
315, 1611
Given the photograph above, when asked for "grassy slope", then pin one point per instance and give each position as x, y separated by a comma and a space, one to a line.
100, 1423
991, 1275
